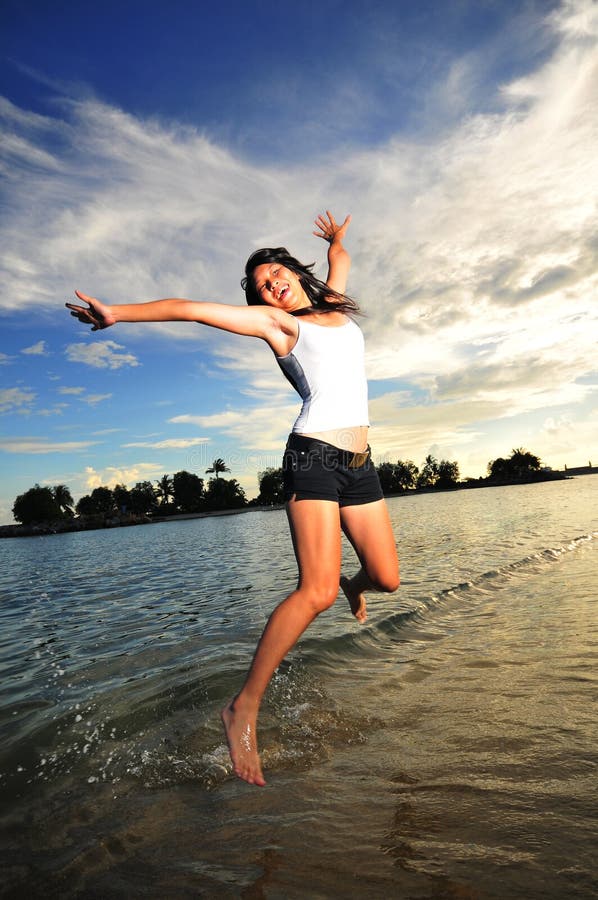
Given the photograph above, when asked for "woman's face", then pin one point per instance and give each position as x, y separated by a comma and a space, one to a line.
278, 286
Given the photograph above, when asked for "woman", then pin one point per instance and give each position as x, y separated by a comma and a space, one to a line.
330, 481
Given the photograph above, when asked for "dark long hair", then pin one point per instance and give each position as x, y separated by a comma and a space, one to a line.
321, 297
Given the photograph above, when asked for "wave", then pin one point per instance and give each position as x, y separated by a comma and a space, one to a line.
530, 565
419, 608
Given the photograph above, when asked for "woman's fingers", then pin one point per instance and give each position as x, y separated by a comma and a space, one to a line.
77, 311
85, 297
322, 223
86, 315
328, 227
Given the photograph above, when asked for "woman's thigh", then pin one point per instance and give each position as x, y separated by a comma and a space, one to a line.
316, 533
369, 529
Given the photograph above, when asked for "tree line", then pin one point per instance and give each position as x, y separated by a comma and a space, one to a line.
404, 476
186, 492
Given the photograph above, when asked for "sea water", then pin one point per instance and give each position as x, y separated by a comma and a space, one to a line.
447, 748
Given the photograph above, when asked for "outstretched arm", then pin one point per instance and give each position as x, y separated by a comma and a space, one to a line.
339, 261
256, 321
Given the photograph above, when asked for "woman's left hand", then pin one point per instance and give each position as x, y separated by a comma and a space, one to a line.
328, 229
96, 314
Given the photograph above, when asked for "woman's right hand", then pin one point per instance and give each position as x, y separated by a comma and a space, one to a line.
329, 230
96, 314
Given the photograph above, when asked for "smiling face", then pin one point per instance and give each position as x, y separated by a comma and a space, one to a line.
278, 286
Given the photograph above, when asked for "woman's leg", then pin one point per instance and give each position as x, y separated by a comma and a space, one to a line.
315, 529
368, 528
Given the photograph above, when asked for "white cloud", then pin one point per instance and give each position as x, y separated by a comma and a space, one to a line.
90, 399
259, 428
101, 355
56, 410
226, 419
127, 475
15, 399
576, 18
94, 399
38, 349
39, 445
170, 443
24, 151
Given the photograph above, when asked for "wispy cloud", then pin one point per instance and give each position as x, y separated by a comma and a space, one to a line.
94, 399
90, 399
170, 443
262, 427
57, 410
39, 445
15, 398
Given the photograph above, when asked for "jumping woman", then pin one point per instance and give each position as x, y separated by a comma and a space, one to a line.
330, 482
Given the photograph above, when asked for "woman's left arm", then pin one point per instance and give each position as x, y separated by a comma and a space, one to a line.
339, 261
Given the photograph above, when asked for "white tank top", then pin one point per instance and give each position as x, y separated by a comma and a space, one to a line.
327, 369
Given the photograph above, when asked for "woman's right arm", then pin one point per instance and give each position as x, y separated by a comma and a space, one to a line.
339, 261
264, 322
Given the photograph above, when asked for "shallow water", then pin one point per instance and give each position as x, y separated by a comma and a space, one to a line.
446, 749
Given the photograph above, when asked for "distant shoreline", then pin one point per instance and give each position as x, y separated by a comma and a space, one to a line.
69, 526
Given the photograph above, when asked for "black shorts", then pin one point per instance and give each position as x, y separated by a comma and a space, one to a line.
314, 470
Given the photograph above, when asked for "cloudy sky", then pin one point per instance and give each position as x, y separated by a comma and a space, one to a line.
149, 147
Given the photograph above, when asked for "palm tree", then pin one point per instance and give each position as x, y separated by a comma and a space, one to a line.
523, 462
406, 473
429, 473
165, 489
63, 498
218, 466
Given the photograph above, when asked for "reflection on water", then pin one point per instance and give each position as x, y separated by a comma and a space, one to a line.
452, 739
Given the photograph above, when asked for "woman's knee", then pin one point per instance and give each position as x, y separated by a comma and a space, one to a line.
320, 597
387, 581
391, 584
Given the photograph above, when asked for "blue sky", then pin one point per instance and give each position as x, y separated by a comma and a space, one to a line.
148, 148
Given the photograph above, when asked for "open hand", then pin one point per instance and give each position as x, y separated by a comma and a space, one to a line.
96, 314
328, 229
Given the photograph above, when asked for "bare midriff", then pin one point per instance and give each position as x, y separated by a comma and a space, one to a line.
354, 438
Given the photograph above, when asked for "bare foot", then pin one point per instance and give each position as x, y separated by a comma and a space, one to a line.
242, 744
356, 601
